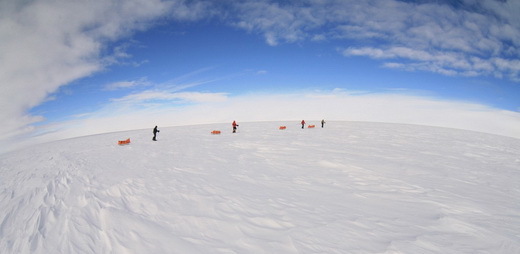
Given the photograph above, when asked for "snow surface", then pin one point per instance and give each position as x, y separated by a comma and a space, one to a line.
351, 187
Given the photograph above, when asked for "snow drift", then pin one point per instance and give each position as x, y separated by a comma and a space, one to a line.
350, 187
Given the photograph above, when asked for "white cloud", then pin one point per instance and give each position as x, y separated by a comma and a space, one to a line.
127, 84
46, 44
275, 21
447, 63
179, 97
470, 39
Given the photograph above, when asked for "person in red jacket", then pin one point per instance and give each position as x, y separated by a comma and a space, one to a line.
303, 123
234, 126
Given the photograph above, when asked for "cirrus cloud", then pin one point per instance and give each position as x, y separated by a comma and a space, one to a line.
471, 38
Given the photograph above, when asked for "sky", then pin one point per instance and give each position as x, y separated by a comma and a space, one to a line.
75, 68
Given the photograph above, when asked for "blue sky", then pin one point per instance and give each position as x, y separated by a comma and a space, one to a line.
79, 68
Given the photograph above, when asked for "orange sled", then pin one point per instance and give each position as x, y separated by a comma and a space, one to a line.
123, 142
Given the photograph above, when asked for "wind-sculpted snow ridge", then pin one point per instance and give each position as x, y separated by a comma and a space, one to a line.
350, 187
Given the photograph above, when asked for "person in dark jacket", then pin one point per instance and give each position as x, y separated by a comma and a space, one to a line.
322, 122
155, 130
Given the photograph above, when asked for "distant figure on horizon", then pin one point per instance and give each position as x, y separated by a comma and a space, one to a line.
234, 126
303, 123
322, 122
155, 130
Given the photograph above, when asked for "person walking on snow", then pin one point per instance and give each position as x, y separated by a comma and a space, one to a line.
322, 122
234, 126
155, 130
303, 123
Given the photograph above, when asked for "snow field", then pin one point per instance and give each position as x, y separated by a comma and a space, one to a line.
351, 187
